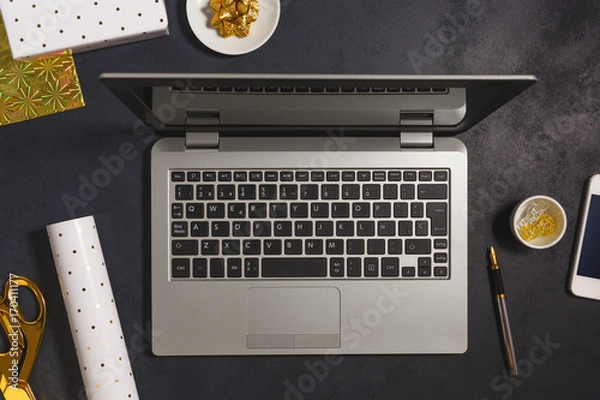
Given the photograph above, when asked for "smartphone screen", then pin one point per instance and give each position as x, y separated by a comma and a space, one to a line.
589, 260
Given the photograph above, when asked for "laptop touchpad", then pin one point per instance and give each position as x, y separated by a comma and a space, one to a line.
293, 317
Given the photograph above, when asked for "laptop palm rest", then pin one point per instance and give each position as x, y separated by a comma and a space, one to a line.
293, 317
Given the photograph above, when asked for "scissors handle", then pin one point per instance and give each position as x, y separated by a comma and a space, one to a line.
24, 337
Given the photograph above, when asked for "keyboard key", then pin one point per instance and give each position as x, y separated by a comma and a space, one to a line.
247, 192
324, 228
302, 176
424, 271
333, 176
313, 246
209, 176
355, 246
215, 210
364, 176
424, 261
394, 176
176, 210
421, 228
378, 176
219, 228
440, 271
330, 192
382, 210
437, 212
344, 228
205, 192
433, 191
425, 176
390, 191
400, 210
309, 192
225, 192
303, 228
407, 191
334, 246
251, 267
234, 267
340, 210
241, 228
272, 246
257, 210
251, 246
361, 210
286, 176
256, 176
179, 229
299, 210
224, 176
317, 176
261, 228
288, 192
282, 228
371, 267
365, 228
177, 176
350, 191
199, 269
375, 246
199, 228
292, 246
353, 267
289, 267
210, 247
371, 192
193, 176
278, 210
416, 210
410, 176
180, 268
394, 246
348, 176
184, 247
440, 176
336, 267
236, 210
230, 247
390, 266
386, 228
408, 271
240, 176
194, 210
405, 228
440, 257
217, 268
418, 246
271, 176
267, 192
319, 210
184, 192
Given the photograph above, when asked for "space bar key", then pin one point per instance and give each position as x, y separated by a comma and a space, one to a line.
304, 267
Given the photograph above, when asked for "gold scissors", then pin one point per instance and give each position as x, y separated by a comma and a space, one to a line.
24, 339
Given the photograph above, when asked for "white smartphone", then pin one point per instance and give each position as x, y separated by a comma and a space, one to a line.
585, 275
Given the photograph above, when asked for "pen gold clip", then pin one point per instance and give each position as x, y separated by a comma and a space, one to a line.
24, 339
498, 288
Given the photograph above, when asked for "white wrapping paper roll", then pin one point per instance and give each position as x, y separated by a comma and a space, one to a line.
91, 309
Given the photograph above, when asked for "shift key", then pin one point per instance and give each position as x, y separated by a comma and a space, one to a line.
184, 247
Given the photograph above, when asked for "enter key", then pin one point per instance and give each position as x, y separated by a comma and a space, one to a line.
438, 213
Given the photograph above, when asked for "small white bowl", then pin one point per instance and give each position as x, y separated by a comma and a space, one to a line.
554, 209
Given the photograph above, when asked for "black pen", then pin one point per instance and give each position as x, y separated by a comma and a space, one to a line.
498, 288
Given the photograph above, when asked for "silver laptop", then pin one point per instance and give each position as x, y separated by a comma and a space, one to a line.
309, 214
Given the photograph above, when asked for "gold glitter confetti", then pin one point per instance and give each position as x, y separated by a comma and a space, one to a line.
35, 88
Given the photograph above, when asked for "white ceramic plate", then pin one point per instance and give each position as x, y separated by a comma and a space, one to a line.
199, 16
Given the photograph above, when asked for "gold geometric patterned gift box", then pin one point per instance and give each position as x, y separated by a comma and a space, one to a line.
35, 88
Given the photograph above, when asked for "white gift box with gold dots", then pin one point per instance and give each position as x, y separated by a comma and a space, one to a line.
38, 27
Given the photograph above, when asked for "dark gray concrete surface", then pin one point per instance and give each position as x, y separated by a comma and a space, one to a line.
546, 141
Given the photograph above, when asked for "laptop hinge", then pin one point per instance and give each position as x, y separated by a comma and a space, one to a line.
202, 140
412, 139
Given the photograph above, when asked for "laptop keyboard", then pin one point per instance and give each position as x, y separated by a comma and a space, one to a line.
290, 224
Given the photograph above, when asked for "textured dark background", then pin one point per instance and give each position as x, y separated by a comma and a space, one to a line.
546, 141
